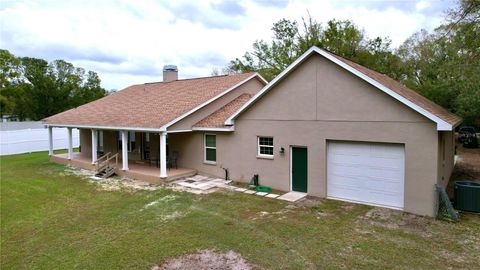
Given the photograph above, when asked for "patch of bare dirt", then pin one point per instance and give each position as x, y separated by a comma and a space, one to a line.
467, 166
309, 202
281, 214
113, 183
393, 219
207, 259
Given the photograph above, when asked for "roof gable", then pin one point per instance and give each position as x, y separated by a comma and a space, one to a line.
444, 119
217, 118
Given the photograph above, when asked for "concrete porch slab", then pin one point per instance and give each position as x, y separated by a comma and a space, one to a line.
200, 184
292, 196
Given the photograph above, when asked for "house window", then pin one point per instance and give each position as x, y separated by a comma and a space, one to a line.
265, 146
210, 148
119, 140
100, 141
130, 141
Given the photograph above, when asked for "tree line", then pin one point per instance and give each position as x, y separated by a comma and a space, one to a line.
32, 88
443, 65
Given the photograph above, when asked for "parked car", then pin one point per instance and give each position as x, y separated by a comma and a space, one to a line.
468, 136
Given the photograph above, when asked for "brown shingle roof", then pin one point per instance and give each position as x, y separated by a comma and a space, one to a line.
217, 118
149, 105
405, 92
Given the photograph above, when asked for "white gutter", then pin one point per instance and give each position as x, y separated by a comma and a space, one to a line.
106, 127
227, 129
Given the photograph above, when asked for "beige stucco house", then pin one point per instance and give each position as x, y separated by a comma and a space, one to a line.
325, 126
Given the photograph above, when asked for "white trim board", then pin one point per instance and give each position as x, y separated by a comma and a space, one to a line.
441, 124
230, 128
103, 127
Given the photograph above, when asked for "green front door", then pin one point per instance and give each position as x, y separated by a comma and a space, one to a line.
299, 169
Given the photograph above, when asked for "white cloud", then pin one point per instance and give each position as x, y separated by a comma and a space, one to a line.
422, 5
129, 42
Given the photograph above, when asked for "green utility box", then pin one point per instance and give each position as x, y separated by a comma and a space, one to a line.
467, 196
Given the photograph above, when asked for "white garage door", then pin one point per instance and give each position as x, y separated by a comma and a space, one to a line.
368, 173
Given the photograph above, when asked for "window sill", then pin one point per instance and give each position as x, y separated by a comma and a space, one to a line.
210, 163
265, 157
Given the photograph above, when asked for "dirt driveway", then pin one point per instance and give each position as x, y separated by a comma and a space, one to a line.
467, 166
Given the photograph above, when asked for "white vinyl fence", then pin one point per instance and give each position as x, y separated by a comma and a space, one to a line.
34, 140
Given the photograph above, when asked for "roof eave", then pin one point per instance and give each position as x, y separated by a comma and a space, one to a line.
225, 129
103, 127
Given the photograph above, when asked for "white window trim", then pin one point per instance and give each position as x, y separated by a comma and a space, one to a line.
258, 148
205, 147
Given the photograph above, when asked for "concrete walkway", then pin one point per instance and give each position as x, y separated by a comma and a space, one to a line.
200, 184
292, 196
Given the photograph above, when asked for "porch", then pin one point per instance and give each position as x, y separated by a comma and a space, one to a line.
140, 154
136, 169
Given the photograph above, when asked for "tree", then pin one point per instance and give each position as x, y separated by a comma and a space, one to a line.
32, 88
9, 76
42, 95
90, 91
289, 41
445, 65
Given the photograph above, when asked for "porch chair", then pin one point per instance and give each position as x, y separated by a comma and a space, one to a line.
172, 160
154, 159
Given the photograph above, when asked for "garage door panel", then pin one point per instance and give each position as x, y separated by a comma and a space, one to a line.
347, 170
378, 163
340, 191
347, 160
389, 175
386, 199
388, 152
366, 172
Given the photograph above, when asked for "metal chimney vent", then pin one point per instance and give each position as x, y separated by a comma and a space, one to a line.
170, 68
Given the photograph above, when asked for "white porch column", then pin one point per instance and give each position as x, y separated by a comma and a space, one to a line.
163, 155
124, 150
70, 143
50, 141
94, 146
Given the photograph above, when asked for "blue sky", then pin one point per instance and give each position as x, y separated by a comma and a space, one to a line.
129, 42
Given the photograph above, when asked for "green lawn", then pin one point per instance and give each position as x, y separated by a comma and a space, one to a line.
50, 220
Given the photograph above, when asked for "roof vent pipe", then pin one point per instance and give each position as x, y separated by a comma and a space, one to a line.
170, 73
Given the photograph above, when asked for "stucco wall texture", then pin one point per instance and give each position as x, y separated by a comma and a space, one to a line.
317, 103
